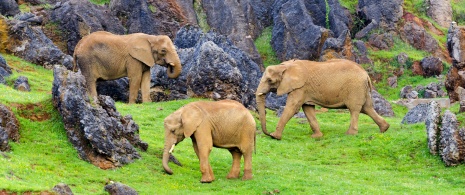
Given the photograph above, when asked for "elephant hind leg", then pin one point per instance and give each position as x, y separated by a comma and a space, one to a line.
236, 165
353, 128
309, 111
371, 112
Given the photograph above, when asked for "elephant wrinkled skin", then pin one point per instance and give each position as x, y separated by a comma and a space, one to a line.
223, 124
103, 55
331, 84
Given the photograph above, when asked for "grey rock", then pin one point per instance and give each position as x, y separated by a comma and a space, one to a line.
5, 70
386, 12
402, 58
338, 20
62, 189
455, 77
411, 103
97, 130
381, 41
31, 44
392, 81
418, 37
137, 14
338, 48
416, 115
360, 52
440, 11
9, 8
381, 105
367, 29
9, 127
430, 94
116, 188
22, 84
30, 18
432, 122
432, 66
187, 7
405, 91
451, 143
462, 106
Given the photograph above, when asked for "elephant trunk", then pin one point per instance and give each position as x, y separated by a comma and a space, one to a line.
260, 97
166, 156
174, 69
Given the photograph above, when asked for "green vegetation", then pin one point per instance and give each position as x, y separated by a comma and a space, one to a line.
201, 16
351, 5
458, 12
100, 2
263, 44
395, 162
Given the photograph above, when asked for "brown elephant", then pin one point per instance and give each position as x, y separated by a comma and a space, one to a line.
222, 124
332, 84
103, 55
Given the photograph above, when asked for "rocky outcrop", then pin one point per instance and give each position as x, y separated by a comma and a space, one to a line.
76, 18
116, 188
340, 48
451, 143
385, 12
9, 8
440, 11
5, 70
9, 127
432, 122
31, 44
455, 79
97, 130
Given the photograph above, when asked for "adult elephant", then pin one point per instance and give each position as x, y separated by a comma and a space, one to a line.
331, 84
223, 124
106, 56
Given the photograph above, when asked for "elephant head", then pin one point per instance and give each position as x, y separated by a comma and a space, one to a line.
281, 79
151, 49
179, 125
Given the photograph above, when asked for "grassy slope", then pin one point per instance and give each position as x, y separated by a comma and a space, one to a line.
395, 162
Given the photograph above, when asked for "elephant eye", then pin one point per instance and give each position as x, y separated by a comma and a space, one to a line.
163, 51
172, 130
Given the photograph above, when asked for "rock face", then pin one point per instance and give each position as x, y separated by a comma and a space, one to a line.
99, 133
31, 44
433, 118
451, 143
9, 8
5, 70
117, 188
455, 78
440, 11
9, 127
385, 12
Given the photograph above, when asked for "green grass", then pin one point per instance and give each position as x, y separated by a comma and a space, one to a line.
396, 162
100, 2
263, 44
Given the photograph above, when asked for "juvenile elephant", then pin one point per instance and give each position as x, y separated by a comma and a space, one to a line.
103, 55
331, 84
223, 124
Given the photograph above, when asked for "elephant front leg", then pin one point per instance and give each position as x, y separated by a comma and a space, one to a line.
289, 111
309, 111
236, 165
203, 152
145, 86
134, 86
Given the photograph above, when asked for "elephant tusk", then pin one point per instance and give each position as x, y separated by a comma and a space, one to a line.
171, 64
260, 93
172, 148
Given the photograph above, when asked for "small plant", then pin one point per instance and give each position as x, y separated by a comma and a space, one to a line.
264, 48
100, 2
152, 8
201, 16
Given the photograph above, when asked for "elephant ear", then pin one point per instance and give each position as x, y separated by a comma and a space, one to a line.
140, 49
292, 78
191, 119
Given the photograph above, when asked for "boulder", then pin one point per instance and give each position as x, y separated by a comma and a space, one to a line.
440, 11
381, 105
62, 189
30, 18
340, 48
405, 91
294, 34
76, 18
361, 53
22, 84
9, 127
381, 41
31, 44
456, 76
416, 115
9, 8
431, 66
367, 29
385, 12
96, 129
418, 37
392, 81
451, 142
402, 59
5, 70
432, 121
116, 188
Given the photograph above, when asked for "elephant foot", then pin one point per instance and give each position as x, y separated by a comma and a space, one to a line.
274, 136
247, 175
384, 128
206, 179
317, 134
232, 176
351, 132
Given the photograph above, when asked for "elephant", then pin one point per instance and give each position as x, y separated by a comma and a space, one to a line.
334, 84
106, 56
222, 124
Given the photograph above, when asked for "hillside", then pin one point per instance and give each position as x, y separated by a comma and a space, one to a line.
397, 161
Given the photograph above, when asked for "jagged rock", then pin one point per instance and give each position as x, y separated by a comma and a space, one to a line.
31, 44
367, 29
62, 189
418, 37
416, 115
433, 118
187, 8
451, 143
340, 48
9, 8
392, 81
402, 58
22, 84
78, 18
431, 66
236, 20
405, 91
30, 18
386, 12
97, 131
440, 11
294, 35
5, 70
361, 53
455, 77
9, 127
381, 41
337, 20
381, 105
117, 89
116, 188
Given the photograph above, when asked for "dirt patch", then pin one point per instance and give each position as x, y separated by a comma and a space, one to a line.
34, 112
